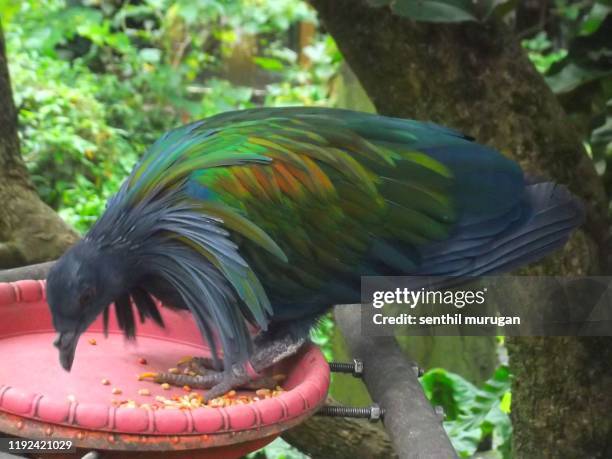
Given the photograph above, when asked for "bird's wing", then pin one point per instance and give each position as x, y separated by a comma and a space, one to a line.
336, 193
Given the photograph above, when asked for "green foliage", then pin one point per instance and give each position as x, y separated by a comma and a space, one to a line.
278, 449
577, 65
299, 85
601, 137
473, 415
66, 136
542, 53
96, 82
322, 334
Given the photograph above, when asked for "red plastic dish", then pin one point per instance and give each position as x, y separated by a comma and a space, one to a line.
36, 394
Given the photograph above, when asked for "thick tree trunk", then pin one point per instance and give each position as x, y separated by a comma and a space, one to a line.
477, 79
30, 231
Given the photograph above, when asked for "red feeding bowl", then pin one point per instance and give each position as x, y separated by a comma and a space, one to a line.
38, 399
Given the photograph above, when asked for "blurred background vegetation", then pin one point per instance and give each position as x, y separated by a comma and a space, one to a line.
97, 81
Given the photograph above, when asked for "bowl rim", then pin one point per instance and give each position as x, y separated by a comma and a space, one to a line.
264, 417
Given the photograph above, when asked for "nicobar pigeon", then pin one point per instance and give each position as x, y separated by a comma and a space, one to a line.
270, 216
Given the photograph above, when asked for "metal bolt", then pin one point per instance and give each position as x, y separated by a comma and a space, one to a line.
355, 368
418, 371
376, 412
373, 413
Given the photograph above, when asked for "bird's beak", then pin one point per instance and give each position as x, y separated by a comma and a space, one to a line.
66, 342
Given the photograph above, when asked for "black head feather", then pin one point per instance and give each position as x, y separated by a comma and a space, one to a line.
131, 250
146, 306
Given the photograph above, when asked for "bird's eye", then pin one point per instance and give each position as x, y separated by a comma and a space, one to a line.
86, 297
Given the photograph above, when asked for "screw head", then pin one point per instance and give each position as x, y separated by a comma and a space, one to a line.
376, 412
358, 369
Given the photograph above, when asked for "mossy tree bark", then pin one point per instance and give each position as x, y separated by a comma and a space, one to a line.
340, 438
30, 231
476, 78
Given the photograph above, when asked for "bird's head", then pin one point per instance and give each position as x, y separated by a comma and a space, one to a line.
83, 282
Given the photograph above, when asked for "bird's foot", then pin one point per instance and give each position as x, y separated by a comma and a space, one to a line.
240, 376
199, 375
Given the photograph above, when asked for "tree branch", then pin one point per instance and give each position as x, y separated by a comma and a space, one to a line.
38, 271
341, 438
415, 429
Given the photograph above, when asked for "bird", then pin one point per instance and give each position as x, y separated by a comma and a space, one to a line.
263, 219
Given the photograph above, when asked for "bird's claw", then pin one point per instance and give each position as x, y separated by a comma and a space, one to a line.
200, 365
228, 383
185, 360
181, 380
204, 365
217, 382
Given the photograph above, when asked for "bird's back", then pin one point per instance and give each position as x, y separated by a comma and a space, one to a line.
344, 194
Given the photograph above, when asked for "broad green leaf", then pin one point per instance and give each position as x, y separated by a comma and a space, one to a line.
594, 19
448, 390
269, 63
471, 413
572, 76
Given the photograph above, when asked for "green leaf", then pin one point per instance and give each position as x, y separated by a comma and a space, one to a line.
278, 449
572, 76
472, 414
269, 63
9, 9
594, 19
503, 8
601, 137
151, 55
448, 390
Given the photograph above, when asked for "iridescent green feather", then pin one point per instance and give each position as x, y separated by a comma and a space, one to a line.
292, 180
